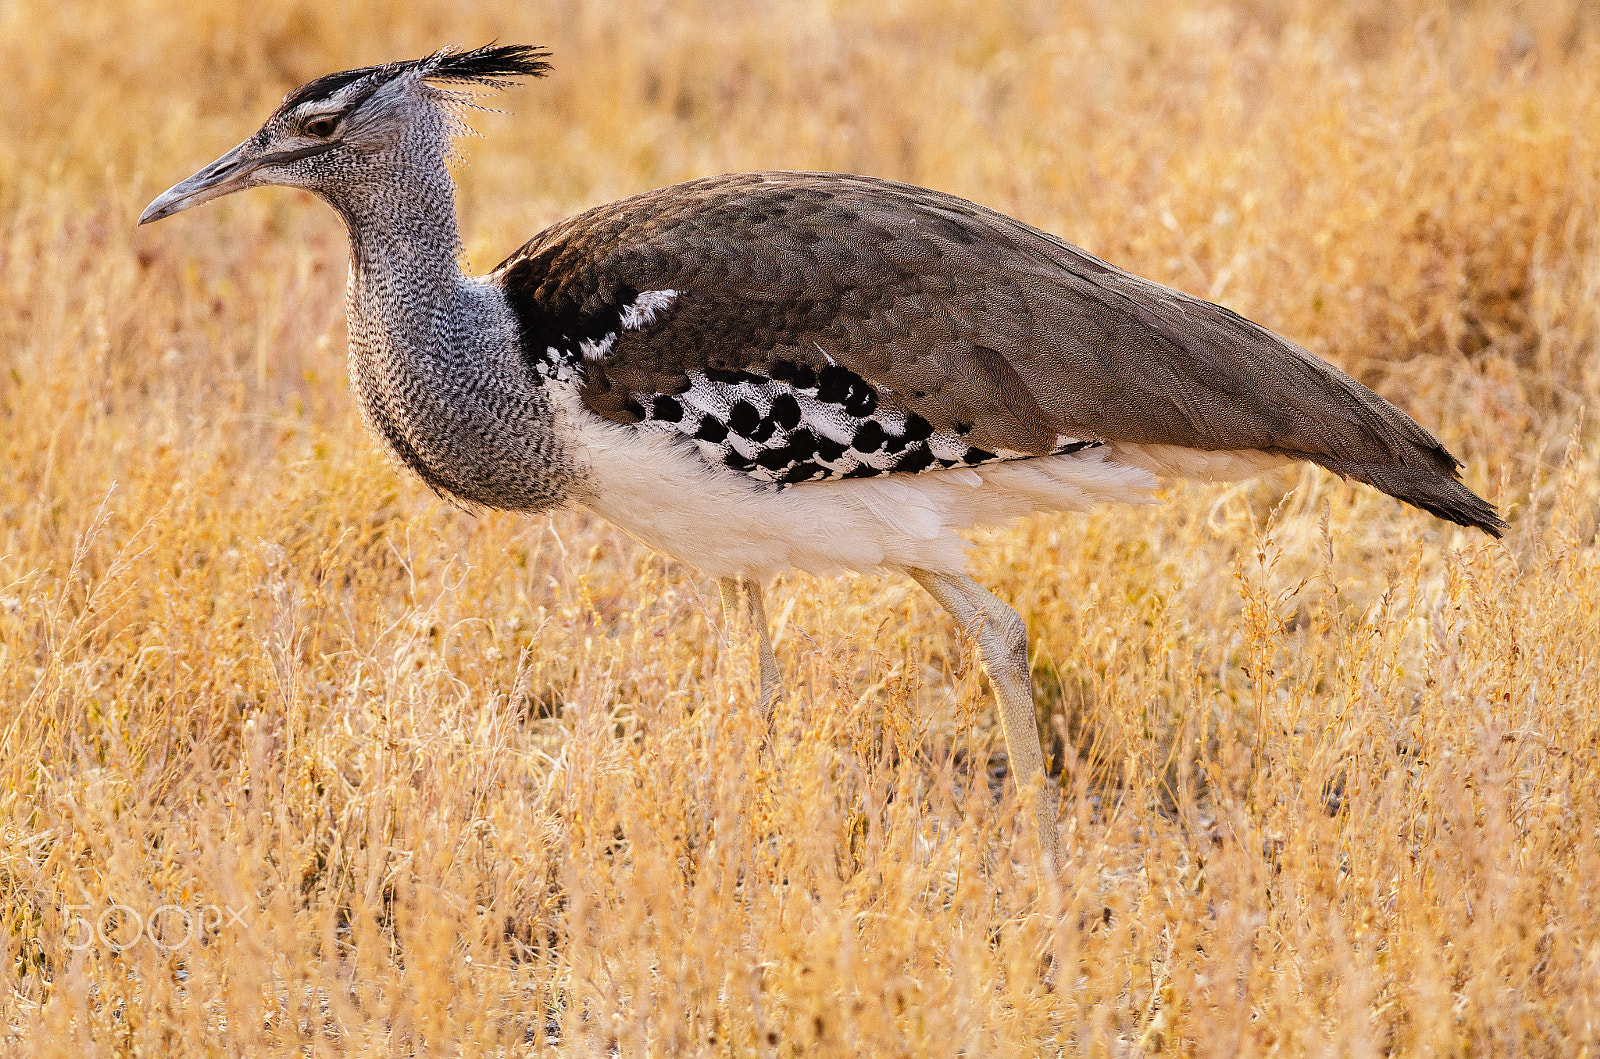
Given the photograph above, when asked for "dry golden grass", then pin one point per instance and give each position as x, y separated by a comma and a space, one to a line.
436, 784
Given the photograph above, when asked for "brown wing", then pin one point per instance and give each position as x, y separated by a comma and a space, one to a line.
986, 328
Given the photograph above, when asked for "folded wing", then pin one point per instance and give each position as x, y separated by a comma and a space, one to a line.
932, 314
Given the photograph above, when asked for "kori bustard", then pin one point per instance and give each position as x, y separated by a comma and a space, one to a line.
771, 370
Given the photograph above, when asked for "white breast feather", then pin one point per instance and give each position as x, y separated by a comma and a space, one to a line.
661, 490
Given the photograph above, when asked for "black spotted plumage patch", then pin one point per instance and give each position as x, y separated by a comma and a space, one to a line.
797, 424
802, 425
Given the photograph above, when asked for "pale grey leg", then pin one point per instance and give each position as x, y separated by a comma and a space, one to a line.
1003, 639
756, 614
771, 685
729, 587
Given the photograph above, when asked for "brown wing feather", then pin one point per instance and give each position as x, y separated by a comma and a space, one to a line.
978, 323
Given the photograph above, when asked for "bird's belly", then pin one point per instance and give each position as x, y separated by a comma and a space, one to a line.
662, 491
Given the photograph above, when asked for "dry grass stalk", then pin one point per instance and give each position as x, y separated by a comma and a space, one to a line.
420, 783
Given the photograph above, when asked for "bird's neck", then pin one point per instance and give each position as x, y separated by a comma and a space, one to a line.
403, 231
434, 355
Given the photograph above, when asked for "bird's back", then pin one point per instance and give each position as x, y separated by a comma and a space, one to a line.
967, 323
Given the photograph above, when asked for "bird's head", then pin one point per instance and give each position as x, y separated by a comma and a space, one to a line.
341, 129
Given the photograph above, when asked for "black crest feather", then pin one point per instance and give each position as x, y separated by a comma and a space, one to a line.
492, 66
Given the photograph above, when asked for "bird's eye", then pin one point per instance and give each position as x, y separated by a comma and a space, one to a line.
321, 128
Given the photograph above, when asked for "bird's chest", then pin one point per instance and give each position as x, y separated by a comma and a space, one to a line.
456, 408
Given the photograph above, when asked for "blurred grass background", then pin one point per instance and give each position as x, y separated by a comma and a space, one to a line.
491, 785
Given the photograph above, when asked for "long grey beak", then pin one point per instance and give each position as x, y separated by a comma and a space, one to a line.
227, 174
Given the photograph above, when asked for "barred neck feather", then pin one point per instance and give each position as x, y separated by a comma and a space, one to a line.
434, 354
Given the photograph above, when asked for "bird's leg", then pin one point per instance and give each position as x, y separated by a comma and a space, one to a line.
756, 614
1003, 639
771, 685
